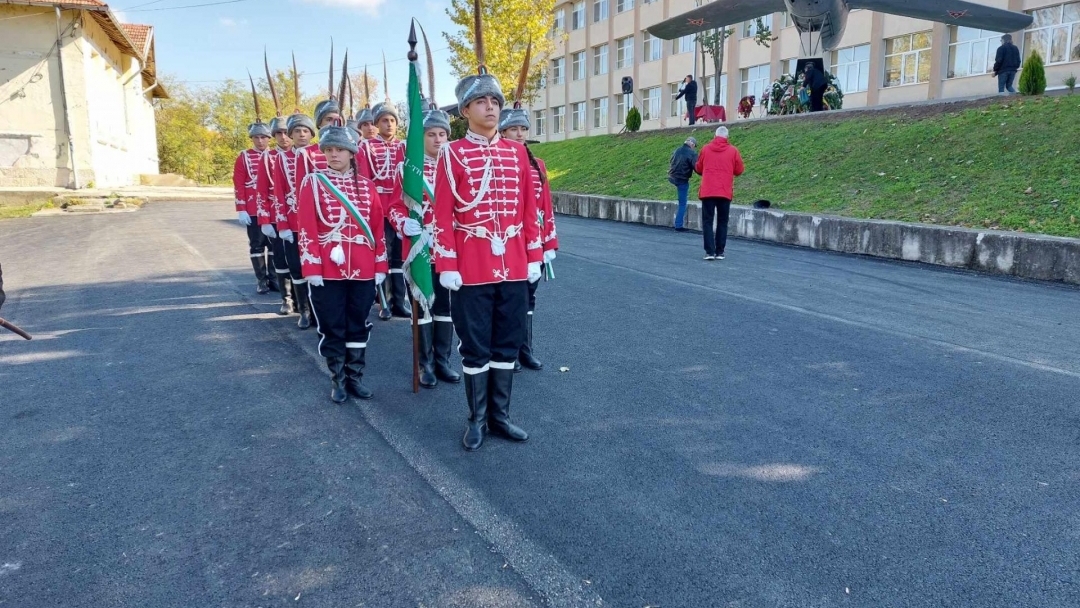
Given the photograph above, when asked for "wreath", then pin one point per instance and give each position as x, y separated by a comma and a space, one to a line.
788, 95
746, 105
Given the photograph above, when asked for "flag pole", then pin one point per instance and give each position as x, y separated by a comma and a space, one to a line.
415, 346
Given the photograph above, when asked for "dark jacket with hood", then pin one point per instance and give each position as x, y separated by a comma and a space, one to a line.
682, 165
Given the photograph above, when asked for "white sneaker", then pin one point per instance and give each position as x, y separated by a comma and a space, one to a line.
709, 258
720, 257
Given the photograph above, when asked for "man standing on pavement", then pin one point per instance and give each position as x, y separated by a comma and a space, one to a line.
718, 165
249, 197
681, 169
689, 92
383, 157
1006, 64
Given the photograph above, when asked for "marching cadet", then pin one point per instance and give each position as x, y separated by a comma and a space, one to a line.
436, 334
487, 249
249, 197
343, 256
365, 121
268, 207
514, 125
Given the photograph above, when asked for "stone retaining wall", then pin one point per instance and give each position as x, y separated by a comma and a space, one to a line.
1029, 256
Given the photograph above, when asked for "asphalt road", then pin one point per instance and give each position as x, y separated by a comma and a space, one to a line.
783, 428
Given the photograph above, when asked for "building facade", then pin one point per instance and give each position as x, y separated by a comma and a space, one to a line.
882, 59
76, 96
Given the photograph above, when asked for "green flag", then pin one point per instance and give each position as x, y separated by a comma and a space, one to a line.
418, 262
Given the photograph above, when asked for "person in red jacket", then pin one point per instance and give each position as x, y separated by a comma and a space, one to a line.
343, 256
250, 193
718, 165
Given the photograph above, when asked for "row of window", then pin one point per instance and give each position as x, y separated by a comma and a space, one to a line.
600, 11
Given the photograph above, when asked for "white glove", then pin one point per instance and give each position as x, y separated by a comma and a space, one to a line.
286, 235
450, 280
534, 272
243, 218
549, 256
411, 227
316, 280
379, 278
269, 231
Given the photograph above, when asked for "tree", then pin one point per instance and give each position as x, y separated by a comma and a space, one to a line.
1033, 75
633, 120
713, 42
509, 25
184, 142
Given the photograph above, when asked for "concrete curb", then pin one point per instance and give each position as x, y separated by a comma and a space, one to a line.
1028, 256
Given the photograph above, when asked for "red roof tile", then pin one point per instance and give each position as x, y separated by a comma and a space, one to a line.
139, 35
98, 3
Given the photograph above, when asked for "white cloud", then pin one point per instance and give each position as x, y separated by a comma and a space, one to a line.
368, 6
230, 22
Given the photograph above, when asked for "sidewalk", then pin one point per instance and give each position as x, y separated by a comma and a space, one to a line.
28, 195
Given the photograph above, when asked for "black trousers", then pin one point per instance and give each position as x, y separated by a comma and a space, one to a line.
490, 321
393, 245
532, 292
718, 210
292, 260
691, 104
277, 248
817, 100
341, 310
440, 310
258, 242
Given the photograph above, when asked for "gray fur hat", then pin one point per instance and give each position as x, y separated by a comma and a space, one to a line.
474, 86
382, 109
260, 128
327, 106
338, 137
279, 124
514, 117
435, 118
300, 120
355, 126
365, 117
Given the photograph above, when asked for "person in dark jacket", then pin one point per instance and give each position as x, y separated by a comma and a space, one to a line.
816, 83
689, 92
681, 170
1006, 64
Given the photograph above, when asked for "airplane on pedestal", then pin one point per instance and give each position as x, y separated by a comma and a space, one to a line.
826, 18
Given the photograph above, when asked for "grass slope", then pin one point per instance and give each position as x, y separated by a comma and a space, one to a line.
1003, 164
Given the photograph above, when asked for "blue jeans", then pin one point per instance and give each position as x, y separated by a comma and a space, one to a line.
683, 189
1005, 81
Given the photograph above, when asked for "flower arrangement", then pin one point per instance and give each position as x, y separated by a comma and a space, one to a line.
786, 95
746, 105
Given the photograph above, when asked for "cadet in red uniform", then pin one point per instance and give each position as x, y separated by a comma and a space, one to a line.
300, 131
437, 332
268, 210
249, 196
487, 249
385, 155
343, 256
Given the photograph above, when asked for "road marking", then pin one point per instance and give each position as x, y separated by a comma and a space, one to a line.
543, 572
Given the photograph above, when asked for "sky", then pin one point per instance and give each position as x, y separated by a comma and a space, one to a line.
203, 45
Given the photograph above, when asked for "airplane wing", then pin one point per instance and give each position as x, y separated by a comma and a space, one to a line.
953, 12
720, 13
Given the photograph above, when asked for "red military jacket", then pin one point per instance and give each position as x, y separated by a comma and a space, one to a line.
382, 161
284, 190
246, 181
325, 225
485, 211
546, 214
399, 212
267, 205
309, 159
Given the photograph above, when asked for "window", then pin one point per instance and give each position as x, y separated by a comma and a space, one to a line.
710, 90
683, 44
678, 106
577, 18
599, 113
1055, 33
750, 28
971, 52
624, 52
907, 59
652, 46
558, 25
538, 122
577, 116
852, 68
558, 69
650, 103
578, 61
599, 60
755, 80
790, 67
622, 106
543, 80
621, 6
558, 118
599, 10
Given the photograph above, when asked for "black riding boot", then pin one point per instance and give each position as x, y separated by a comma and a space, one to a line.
444, 341
259, 264
399, 296
285, 286
499, 387
336, 365
476, 393
271, 275
303, 304
384, 311
526, 357
354, 371
425, 334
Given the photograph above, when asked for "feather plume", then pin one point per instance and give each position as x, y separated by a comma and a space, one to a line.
350, 98
367, 89
478, 33
296, 85
270, 81
330, 86
255, 96
344, 77
523, 76
430, 68
385, 80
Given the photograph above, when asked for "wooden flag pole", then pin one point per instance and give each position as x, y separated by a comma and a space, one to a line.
415, 347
